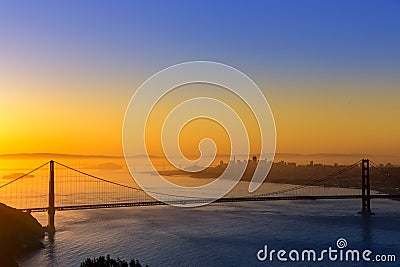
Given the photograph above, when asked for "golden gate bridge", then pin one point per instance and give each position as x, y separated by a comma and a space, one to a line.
54, 186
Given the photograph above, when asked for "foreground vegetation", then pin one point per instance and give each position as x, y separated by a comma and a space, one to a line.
109, 262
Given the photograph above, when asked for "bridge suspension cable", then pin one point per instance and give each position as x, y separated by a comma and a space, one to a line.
379, 168
122, 185
24, 175
315, 182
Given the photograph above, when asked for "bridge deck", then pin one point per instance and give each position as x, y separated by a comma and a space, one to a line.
222, 200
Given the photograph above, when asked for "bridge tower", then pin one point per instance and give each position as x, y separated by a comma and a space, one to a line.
366, 188
51, 210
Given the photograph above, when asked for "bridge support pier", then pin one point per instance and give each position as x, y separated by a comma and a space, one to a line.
51, 210
366, 189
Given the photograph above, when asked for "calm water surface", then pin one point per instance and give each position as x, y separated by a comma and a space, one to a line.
227, 234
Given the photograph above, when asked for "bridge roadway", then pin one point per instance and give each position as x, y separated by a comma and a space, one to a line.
221, 200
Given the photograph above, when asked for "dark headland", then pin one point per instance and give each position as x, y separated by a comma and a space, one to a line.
19, 233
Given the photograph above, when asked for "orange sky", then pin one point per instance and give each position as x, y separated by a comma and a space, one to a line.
311, 117
329, 71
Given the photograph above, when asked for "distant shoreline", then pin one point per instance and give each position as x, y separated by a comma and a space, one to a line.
278, 156
291, 173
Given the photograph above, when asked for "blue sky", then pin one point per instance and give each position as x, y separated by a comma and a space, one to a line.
328, 38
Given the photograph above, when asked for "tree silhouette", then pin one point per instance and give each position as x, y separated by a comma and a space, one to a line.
109, 262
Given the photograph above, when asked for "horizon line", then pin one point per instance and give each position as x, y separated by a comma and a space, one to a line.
42, 154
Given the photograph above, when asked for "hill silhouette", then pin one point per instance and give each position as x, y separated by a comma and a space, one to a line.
19, 233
